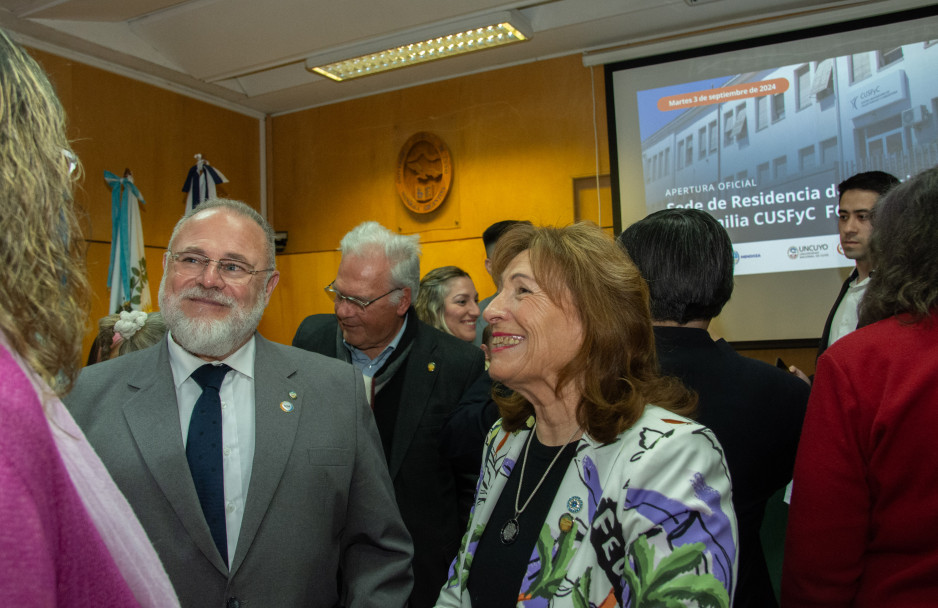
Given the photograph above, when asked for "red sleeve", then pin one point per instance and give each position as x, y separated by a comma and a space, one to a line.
829, 515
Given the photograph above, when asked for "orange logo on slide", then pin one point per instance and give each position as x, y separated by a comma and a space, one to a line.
708, 97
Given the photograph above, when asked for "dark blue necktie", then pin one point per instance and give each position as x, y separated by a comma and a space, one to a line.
204, 452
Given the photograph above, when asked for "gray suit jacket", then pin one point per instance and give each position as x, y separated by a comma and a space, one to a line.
320, 506
434, 494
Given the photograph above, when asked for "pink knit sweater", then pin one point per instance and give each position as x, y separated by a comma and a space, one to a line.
51, 552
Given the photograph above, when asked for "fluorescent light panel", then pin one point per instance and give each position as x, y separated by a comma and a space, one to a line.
504, 28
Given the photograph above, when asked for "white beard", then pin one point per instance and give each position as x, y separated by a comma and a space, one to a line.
209, 337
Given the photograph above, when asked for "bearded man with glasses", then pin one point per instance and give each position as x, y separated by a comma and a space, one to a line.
262, 484
417, 377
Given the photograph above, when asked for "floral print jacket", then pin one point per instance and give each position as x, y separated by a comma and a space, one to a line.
645, 520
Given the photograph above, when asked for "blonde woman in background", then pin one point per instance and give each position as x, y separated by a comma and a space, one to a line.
68, 537
125, 332
447, 300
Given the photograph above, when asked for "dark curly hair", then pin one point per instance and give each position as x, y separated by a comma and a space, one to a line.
904, 250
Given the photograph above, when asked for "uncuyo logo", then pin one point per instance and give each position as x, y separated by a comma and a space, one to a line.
793, 252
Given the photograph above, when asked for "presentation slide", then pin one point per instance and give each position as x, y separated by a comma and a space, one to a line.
760, 134
781, 215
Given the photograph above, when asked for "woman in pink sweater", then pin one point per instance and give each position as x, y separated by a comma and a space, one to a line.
67, 535
863, 524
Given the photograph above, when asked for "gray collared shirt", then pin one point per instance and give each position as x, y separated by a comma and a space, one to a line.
369, 367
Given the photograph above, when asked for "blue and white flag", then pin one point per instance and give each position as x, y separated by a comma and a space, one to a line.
200, 183
127, 272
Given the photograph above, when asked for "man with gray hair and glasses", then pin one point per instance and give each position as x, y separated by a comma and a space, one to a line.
417, 376
253, 466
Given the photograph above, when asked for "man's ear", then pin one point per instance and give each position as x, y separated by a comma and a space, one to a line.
271, 283
404, 302
488, 266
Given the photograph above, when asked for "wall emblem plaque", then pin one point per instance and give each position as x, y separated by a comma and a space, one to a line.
424, 172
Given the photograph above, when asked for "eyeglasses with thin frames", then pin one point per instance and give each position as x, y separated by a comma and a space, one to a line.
336, 296
234, 272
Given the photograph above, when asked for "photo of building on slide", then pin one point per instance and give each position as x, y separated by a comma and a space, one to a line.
764, 151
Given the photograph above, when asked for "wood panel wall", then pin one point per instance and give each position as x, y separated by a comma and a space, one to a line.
117, 123
518, 138
526, 143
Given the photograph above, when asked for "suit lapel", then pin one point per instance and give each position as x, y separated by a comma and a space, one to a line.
494, 480
495, 477
593, 467
274, 435
421, 373
153, 417
826, 334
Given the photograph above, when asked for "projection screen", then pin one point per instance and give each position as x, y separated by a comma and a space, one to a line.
759, 133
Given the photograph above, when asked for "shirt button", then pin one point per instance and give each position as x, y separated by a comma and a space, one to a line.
227, 451
224, 404
229, 507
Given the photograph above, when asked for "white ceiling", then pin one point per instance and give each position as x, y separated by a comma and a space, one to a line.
250, 54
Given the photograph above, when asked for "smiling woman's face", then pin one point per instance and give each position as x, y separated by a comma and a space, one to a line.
532, 337
461, 308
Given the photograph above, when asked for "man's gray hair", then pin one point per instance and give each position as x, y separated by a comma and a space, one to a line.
402, 252
241, 209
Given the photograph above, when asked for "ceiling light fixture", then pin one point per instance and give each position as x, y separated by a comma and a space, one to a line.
423, 45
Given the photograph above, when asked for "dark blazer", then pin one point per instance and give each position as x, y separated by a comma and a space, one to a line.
462, 438
424, 391
826, 334
756, 411
319, 500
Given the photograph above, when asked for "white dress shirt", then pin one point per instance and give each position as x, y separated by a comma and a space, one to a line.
846, 317
237, 423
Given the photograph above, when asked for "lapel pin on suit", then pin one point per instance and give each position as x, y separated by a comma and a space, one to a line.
292, 395
286, 406
431, 366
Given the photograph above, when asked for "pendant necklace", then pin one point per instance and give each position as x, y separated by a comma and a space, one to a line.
509, 531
